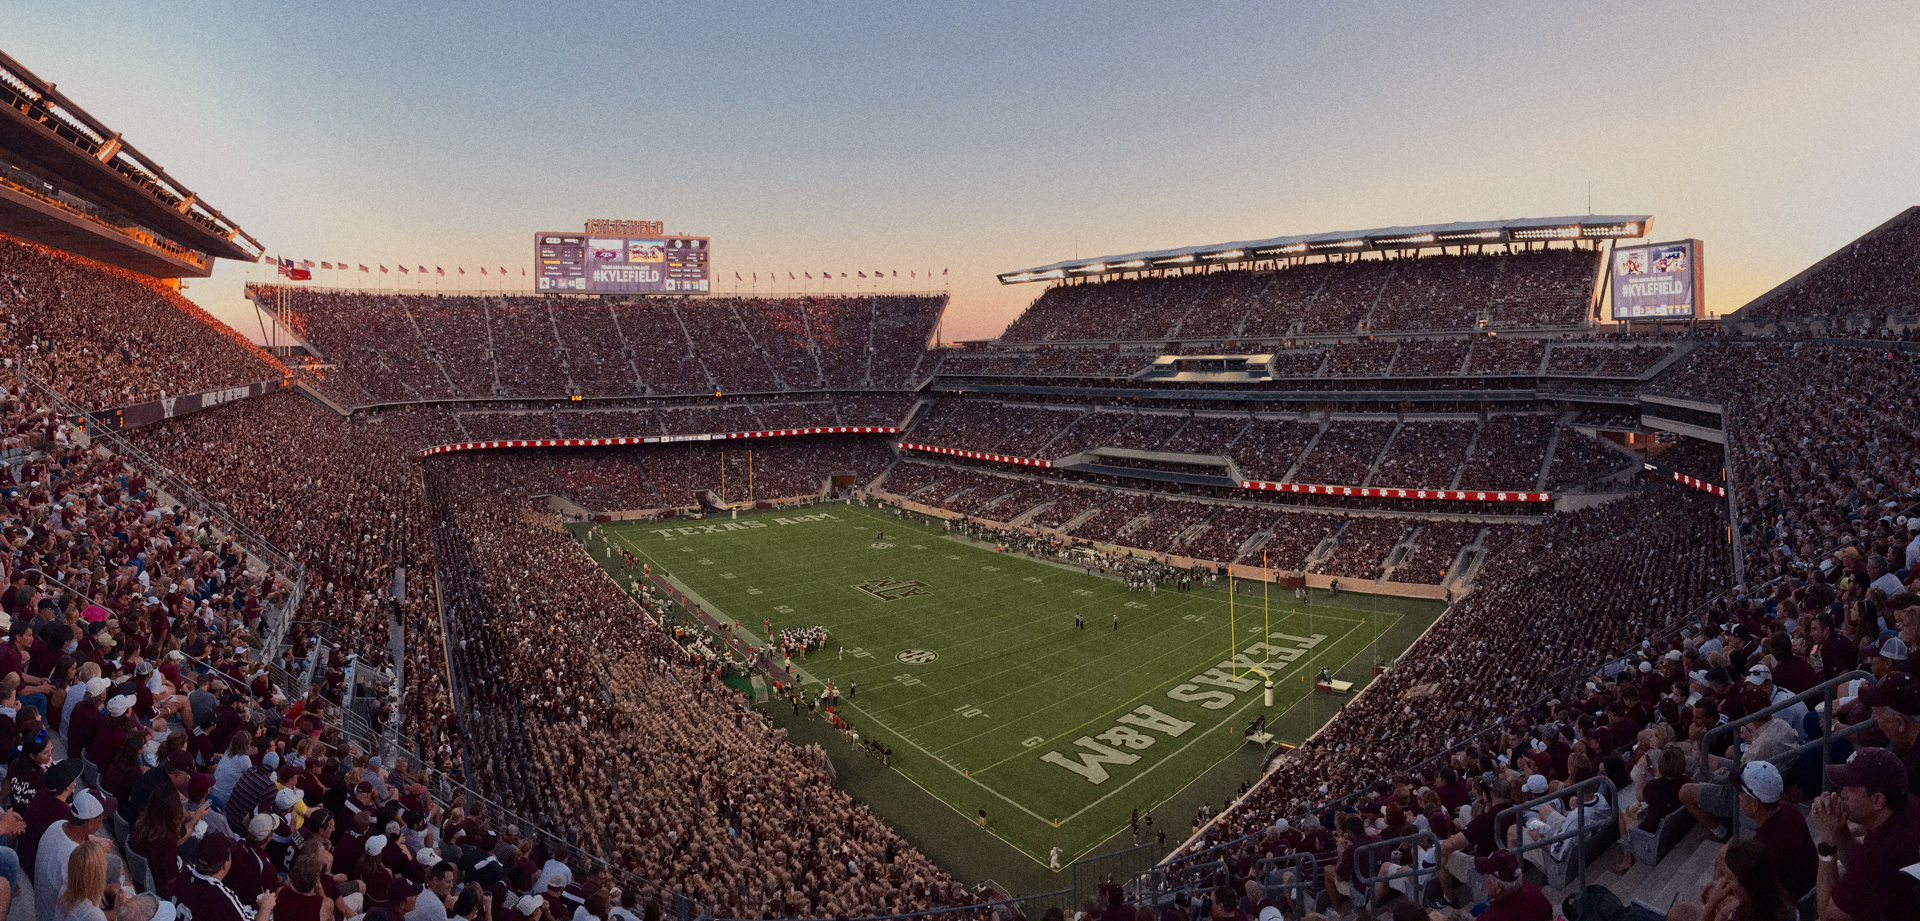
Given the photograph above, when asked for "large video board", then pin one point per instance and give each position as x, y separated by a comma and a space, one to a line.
1658, 281
592, 264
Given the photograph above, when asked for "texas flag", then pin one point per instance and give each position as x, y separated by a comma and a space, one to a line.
403, 270
383, 270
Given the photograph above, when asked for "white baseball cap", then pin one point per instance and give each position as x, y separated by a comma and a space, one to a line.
1761, 780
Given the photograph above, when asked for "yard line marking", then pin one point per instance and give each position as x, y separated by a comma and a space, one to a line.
964, 775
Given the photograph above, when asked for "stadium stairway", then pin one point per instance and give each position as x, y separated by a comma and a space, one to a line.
1305, 452
1373, 468
1677, 878
1680, 350
1546, 462
320, 398
1473, 441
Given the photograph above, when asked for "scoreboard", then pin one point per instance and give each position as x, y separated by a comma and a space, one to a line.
589, 263
1658, 281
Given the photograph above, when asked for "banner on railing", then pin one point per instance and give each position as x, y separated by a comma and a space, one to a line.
135, 415
1383, 492
1698, 484
976, 455
656, 439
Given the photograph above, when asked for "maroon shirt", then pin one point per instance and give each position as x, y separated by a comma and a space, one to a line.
1662, 796
1795, 674
1529, 904
1871, 884
1790, 850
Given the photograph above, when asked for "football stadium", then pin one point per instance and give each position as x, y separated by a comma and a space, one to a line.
1464, 565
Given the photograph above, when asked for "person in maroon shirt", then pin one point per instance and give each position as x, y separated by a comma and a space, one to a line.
1790, 670
1660, 796
1453, 791
1481, 837
1862, 881
52, 804
204, 893
1838, 655
1509, 896
303, 897
33, 690
1340, 876
1895, 703
1781, 828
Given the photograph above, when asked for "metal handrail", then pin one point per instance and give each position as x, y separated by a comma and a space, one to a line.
1363, 877
1582, 831
1823, 690
180, 490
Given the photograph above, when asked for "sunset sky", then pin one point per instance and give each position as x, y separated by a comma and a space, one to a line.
984, 138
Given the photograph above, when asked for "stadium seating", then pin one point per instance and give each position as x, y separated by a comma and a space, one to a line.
1870, 278
1547, 289
615, 732
389, 347
56, 306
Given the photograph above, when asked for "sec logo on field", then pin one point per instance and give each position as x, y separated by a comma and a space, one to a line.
917, 656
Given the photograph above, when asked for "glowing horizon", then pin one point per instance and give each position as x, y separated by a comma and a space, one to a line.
982, 139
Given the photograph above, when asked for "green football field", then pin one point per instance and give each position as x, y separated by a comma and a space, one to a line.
967, 662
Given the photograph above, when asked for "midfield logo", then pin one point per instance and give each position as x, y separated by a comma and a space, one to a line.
892, 589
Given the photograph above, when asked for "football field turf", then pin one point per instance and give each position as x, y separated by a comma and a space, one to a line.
967, 662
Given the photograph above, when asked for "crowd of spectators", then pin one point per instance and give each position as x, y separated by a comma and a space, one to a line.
1425, 453
54, 304
1434, 547
1509, 452
1506, 356
1539, 289
343, 498
1265, 449
1361, 359
1697, 458
1873, 276
1582, 460
1639, 564
616, 741
1803, 482
1229, 527
1362, 547
340, 499
1345, 452
417, 346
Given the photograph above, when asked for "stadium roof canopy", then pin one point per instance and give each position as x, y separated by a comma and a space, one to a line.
75, 151
1465, 233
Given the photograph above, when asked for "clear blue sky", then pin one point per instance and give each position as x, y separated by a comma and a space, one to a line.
982, 138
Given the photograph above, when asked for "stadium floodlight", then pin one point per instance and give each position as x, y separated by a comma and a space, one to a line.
1282, 250
1089, 269
1131, 264
1466, 236
1229, 254
1548, 233
1398, 241
1056, 273
1340, 244
1610, 230
1177, 260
